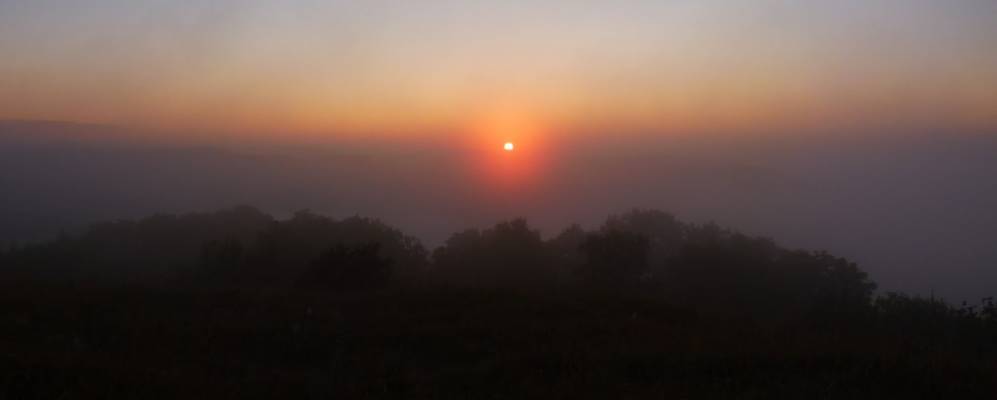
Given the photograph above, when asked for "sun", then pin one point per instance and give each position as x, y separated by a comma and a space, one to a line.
509, 146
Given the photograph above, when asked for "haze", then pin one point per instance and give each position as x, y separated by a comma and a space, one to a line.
396, 68
865, 128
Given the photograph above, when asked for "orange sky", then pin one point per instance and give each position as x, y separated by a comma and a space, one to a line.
309, 69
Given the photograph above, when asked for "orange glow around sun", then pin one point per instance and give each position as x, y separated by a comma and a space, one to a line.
507, 151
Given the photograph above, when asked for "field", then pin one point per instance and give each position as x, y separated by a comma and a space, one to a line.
129, 342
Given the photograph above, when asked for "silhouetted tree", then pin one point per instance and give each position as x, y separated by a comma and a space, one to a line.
664, 233
348, 267
841, 286
704, 265
508, 254
565, 250
614, 258
914, 314
721, 268
152, 248
239, 245
988, 309
286, 249
222, 257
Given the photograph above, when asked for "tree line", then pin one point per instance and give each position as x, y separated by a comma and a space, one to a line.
647, 251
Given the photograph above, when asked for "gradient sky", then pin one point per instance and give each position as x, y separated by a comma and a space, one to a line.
410, 68
864, 127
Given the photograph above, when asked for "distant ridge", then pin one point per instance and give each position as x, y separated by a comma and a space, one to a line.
43, 130
51, 124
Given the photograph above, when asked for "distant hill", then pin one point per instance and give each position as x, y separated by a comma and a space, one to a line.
48, 132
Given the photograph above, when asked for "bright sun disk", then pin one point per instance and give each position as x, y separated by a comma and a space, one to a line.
509, 146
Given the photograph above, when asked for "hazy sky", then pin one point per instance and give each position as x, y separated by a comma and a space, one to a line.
868, 128
328, 68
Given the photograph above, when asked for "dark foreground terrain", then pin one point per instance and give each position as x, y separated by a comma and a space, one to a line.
71, 343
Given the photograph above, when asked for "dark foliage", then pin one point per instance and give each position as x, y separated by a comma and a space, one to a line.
154, 248
222, 258
344, 268
614, 258
566, 254
506, 255
132, 343
753, 274
241, 246
286, 249
646, 306
665, 233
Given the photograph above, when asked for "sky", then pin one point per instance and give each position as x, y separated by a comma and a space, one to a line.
333, 69
866, 128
